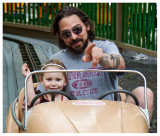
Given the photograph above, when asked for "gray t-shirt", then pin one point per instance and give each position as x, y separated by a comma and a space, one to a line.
88, 85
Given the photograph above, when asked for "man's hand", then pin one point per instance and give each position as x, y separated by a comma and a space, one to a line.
93, 54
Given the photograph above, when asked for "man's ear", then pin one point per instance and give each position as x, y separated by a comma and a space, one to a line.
59, 35
88, 27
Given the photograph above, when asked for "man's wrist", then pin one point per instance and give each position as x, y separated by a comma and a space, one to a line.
104, 62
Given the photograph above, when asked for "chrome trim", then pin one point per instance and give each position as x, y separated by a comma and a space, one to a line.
146, 113
14, 115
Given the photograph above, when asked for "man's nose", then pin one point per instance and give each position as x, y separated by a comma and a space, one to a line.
73, 36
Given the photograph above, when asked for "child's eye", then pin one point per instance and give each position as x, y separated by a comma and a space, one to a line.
49, 79
58, 79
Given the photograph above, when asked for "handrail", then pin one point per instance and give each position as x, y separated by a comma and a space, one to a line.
14, 115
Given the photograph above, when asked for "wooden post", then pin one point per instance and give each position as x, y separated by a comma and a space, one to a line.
119, 24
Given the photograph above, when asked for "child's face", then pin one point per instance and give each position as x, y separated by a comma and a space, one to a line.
53, 81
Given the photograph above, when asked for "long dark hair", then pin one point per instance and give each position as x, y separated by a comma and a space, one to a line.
68, 11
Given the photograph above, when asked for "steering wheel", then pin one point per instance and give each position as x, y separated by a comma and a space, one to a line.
49, 92
120, 91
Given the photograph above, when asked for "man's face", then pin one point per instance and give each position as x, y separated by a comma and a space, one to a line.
74, 33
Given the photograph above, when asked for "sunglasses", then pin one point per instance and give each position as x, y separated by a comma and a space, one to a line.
67, 33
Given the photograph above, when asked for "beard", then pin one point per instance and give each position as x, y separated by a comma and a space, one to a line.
78, 50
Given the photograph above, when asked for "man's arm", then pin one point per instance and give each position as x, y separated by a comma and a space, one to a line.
108, 61
112, 61
30, 88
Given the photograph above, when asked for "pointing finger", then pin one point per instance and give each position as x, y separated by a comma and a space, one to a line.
89, 48
96, 56
88, 53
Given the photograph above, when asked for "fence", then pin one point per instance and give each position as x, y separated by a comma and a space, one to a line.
132, 24
140, 31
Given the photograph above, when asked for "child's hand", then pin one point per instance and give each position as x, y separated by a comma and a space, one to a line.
25, 70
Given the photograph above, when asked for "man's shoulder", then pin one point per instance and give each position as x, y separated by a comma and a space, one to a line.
58, 54
104, 42
107, 46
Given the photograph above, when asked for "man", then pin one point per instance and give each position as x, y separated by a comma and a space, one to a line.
80, 51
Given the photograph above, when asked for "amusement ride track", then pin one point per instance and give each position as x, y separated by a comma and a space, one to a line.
29, 55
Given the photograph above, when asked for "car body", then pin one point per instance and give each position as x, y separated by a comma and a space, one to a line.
78, 116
